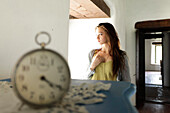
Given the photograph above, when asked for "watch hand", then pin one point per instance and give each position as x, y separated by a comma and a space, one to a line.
51, 84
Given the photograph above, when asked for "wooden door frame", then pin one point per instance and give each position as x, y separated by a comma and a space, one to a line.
140, 63
140, 67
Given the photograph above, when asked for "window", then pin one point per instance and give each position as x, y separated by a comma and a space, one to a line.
156, 53
82, 39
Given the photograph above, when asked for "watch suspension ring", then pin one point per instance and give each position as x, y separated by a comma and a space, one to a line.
42, 44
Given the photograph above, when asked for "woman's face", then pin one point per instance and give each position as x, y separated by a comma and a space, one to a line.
102, 36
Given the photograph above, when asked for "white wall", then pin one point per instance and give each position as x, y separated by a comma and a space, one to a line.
21, 20
147, 53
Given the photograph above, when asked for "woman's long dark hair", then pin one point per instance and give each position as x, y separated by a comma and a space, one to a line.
116, 53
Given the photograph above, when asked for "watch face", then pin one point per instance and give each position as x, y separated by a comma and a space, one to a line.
41, 77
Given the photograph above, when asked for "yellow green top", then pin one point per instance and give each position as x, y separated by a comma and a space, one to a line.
104, 72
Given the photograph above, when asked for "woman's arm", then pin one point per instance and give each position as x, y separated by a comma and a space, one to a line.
125, 72
93, 62
90, 73
96, 61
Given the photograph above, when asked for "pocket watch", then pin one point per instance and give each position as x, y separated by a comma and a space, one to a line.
41, 77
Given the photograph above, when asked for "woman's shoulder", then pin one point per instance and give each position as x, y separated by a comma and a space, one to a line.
94, 51
123, 53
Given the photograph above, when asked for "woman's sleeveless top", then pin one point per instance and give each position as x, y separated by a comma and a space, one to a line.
104, 72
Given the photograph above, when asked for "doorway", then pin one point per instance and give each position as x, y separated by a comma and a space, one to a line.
153, 60
153, 77
153, 83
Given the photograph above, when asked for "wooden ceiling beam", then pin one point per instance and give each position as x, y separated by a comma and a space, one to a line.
89, 9
103, 6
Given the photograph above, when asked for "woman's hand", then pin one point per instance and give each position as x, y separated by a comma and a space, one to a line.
99, 58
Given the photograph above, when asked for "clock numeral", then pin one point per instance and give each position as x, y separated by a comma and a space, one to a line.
43, 57
62, 79
24, 88
25, 68
52, 62
52, 95
41, 97
32, 94
21, 77
60, 69
32, 61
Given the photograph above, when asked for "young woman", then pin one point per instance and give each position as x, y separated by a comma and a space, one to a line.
109, 62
